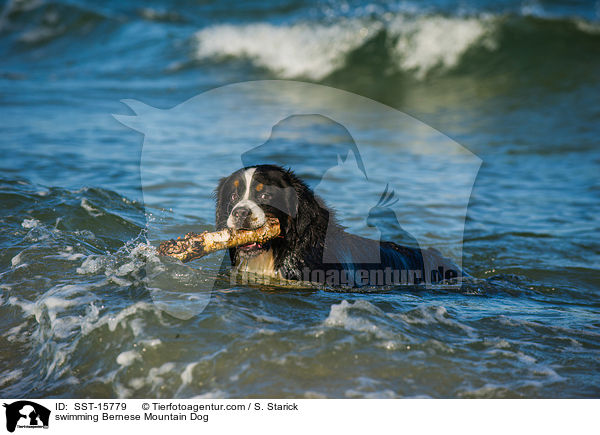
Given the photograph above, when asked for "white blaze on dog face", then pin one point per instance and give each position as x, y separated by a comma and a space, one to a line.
257, 215
248, 175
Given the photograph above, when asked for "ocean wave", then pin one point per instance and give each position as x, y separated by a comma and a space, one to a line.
37, 22
340, 315
426, 43
417, 44
75, 272
300, 50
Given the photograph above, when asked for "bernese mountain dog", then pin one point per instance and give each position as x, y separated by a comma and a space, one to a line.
312, 245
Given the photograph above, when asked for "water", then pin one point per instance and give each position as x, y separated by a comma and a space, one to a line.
516, 83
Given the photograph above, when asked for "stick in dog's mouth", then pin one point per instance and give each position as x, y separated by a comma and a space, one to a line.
194, 246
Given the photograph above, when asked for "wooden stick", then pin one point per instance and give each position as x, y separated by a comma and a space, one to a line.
194, 246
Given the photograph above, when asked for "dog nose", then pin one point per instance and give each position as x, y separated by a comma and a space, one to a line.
240, 213
241, 217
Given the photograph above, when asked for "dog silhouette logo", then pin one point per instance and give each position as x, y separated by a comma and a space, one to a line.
26, 414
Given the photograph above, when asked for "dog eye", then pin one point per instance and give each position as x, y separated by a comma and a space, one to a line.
234, 196
264, 196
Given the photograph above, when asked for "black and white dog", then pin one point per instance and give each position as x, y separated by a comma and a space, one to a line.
312, 246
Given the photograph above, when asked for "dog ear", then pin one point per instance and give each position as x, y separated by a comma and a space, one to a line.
311, 216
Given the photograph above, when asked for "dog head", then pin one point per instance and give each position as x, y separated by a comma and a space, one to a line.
250, 195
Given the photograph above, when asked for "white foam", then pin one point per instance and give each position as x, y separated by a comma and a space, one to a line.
58, 360
93, 211
298, 50
314, 51
502, 344
54, 303
126, 269
114, 320
135, 259
16, 333
587, 27
69, 256
340, 316
118, 281
527, 359
432, 314
92, 313
187, 374
87, 234
155, 374
137, 326
127, 358
27, 307
137, 383
154, 342
16, 260
122, 392
30, 223
428, 42
56, 326
91, 264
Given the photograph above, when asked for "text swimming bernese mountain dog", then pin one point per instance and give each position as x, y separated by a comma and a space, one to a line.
312, 246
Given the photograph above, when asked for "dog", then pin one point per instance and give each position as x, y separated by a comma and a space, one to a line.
312, 245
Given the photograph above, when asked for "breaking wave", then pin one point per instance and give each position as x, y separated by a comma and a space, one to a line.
420, 45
